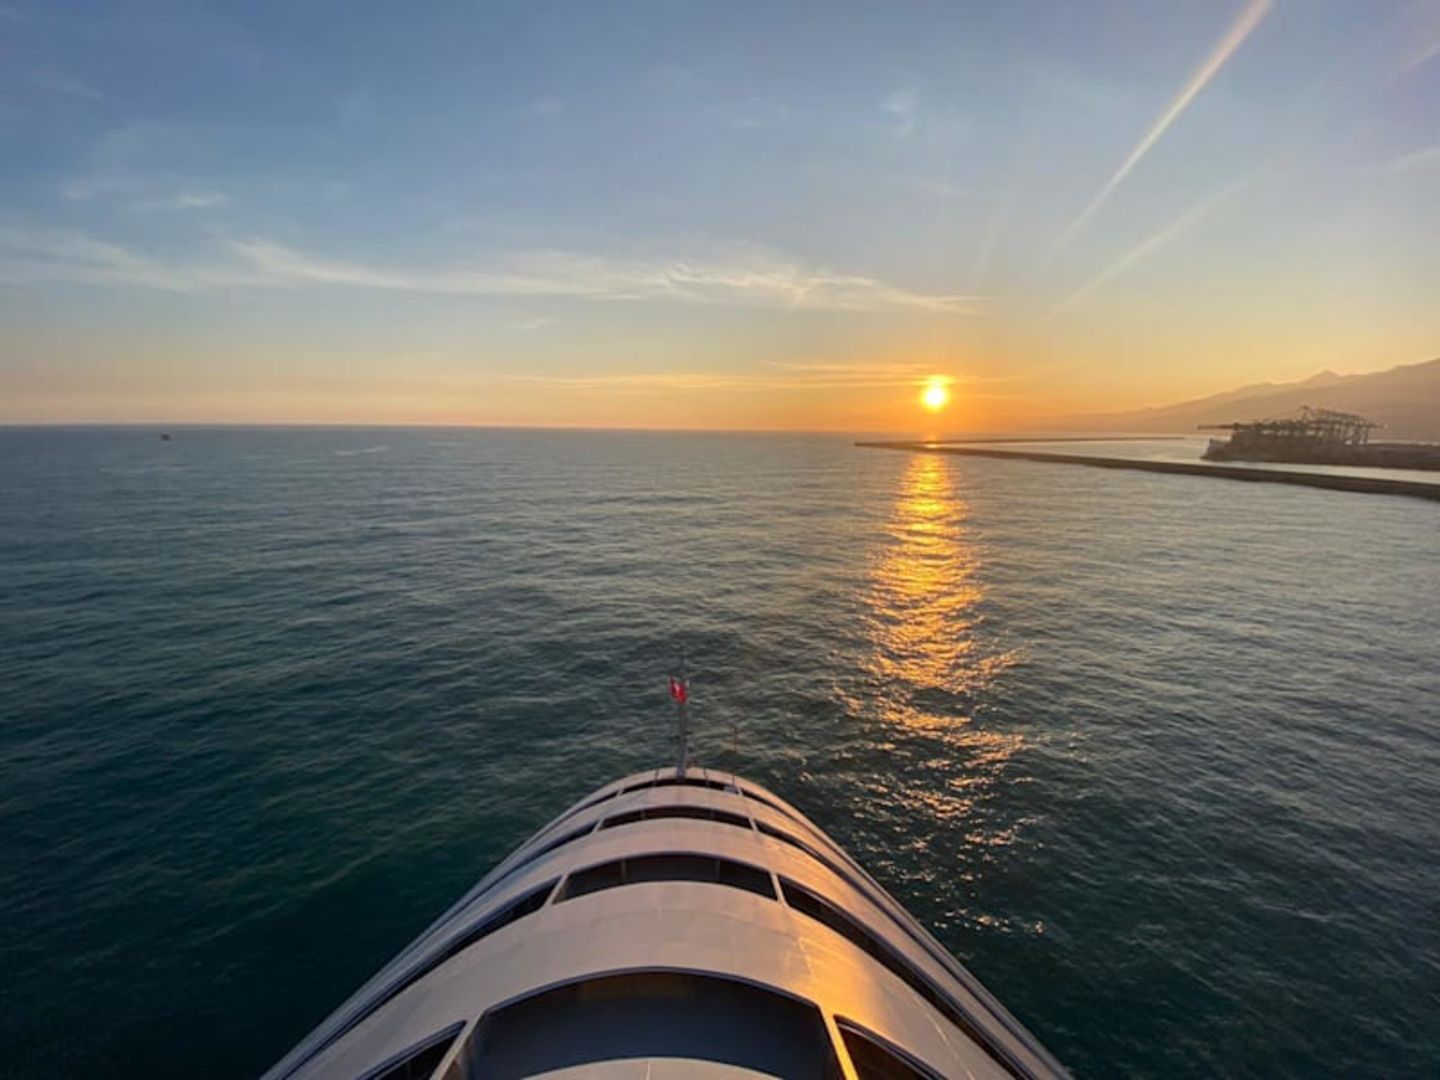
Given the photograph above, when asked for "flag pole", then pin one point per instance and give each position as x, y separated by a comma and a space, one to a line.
680, 691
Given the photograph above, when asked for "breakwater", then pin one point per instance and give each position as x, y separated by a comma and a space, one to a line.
1335, 482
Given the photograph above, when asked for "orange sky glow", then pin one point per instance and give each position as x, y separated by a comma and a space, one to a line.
1104, 209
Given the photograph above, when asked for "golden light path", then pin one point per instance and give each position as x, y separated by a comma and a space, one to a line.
927, 659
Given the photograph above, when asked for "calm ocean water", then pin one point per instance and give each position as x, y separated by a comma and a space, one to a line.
1157, 757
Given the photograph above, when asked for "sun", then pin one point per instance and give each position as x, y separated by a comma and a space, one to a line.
936, 394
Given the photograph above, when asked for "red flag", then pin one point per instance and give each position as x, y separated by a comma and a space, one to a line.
678, 690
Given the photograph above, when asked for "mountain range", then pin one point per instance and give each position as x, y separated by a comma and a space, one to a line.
1405, 400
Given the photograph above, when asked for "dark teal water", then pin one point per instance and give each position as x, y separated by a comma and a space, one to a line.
1158, 757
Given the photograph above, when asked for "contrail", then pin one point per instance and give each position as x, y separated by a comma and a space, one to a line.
1423, 55
1234, 37
1147, 247
986, 248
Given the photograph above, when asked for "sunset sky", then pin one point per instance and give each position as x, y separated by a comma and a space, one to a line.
710, 215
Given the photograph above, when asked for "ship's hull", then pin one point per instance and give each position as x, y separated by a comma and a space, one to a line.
672, 925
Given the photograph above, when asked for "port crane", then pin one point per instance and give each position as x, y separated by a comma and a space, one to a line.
1325, 426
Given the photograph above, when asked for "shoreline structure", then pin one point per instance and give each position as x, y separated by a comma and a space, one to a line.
1369, 485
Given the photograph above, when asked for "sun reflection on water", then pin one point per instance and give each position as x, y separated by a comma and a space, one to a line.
929, 658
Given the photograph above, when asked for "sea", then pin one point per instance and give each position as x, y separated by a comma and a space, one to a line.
1157, 757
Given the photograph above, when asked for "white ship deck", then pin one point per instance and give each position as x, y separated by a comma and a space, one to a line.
673, 926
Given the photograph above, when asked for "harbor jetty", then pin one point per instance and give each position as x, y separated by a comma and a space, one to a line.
1332, 481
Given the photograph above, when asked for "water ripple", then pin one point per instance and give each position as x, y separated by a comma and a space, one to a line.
1157, 757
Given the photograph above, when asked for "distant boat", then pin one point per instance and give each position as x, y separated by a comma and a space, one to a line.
164, 436
680, 922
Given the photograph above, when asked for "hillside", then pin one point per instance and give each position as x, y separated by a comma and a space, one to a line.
1405, 399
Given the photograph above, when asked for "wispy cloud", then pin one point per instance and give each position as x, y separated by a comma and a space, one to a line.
753, 277
134, 164
830, 373
911, 116
752, 115
198, 200
938, 187
644, 382
1425, 158
816, 375
78, 189
28, 256
1248, 19
1148, 247
528, 325
142, 192
183, 200
904, 106
748, 278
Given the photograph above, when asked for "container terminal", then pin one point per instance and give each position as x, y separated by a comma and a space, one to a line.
1317, 437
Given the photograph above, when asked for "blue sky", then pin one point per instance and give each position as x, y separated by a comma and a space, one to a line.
708, 214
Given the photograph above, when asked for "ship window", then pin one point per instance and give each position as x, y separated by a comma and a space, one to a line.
518, 908
594, 802
762, 799
876, 1060
583, 807
558, 842
698, 813
586, 806
806, 902
538, 853
713, 785
740, 876
627, 818
679, 781
869, 892
834, 867
678, 866
419, 1063
528, 904
594, 879
641, 1016
772, 804
796, 842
